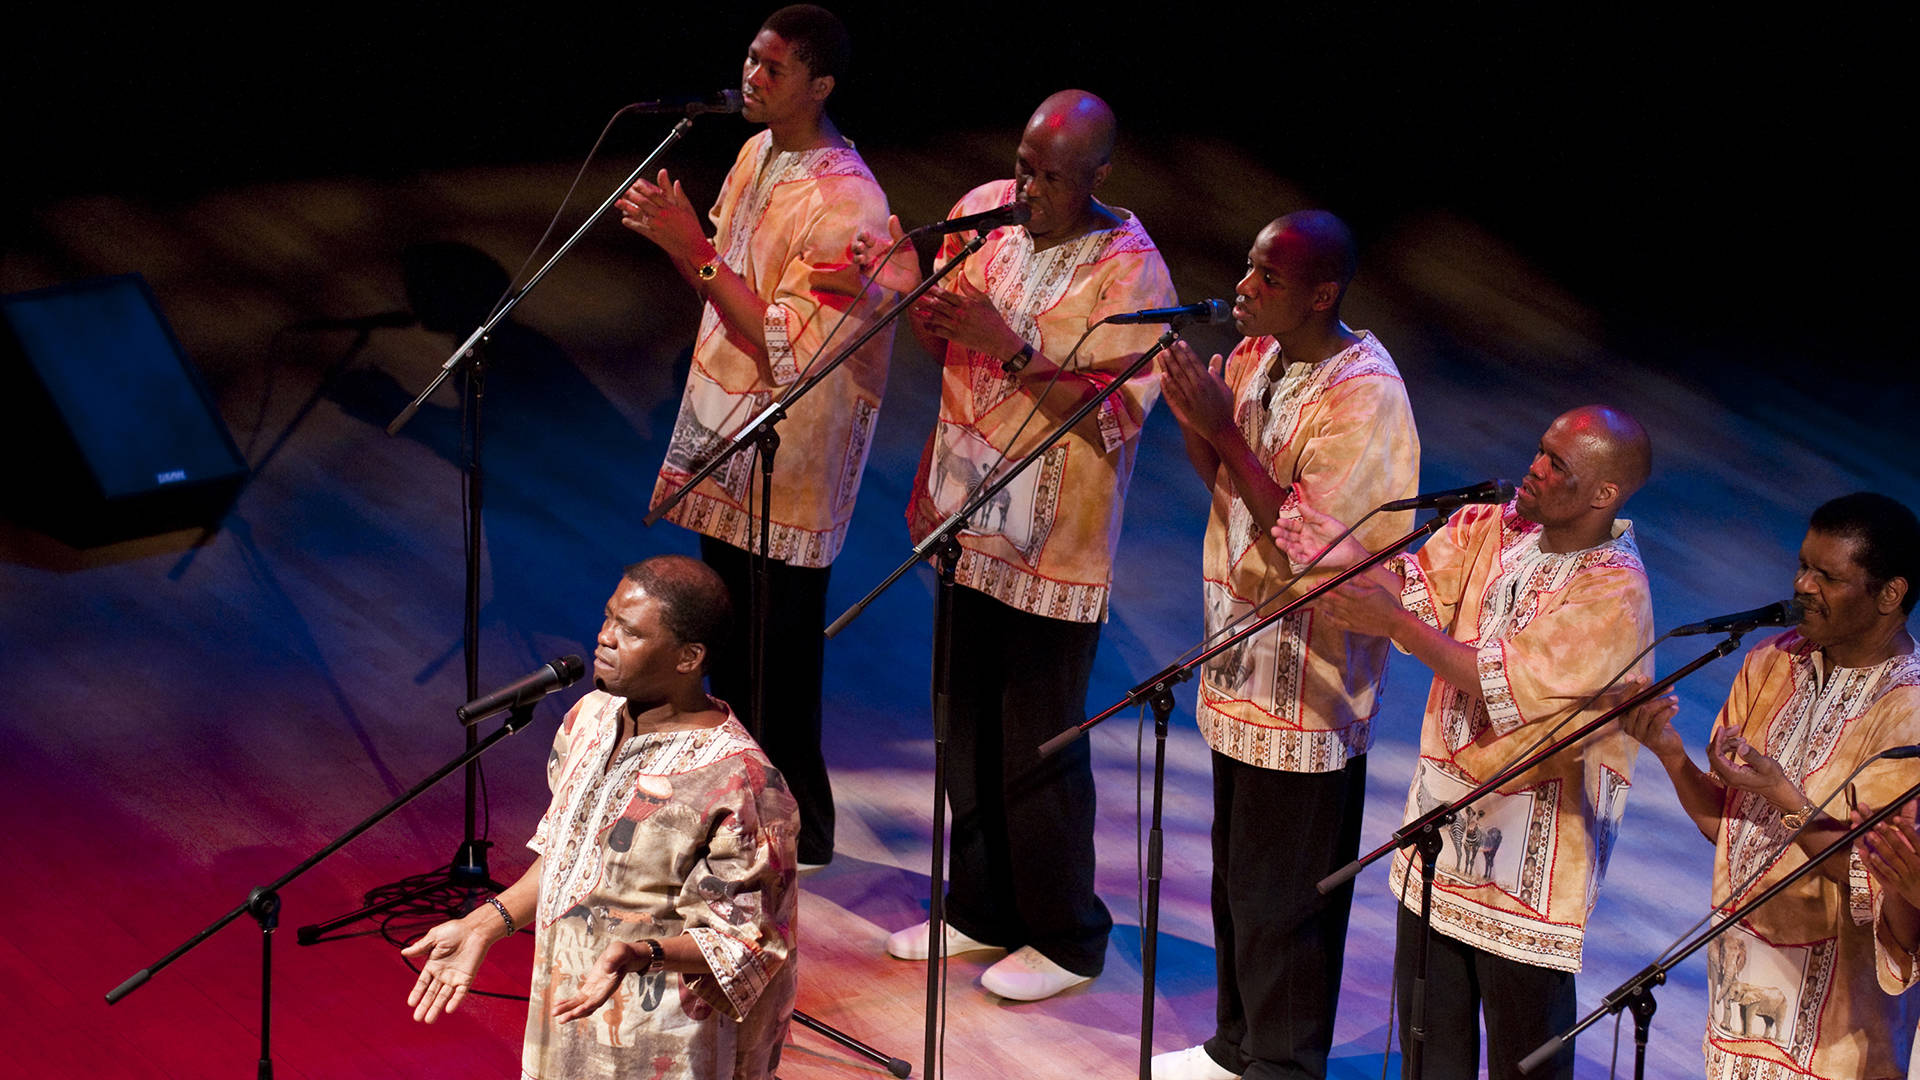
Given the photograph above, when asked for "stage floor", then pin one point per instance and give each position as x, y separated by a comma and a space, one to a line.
189, 716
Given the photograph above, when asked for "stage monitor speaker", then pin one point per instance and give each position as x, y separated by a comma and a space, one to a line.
109, 431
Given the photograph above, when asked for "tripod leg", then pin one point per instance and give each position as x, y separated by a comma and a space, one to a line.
894, 1065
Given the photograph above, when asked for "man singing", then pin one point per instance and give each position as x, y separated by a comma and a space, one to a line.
777, 280
1307, 409
663, 899
1792, 990
1523, 612
1037, 560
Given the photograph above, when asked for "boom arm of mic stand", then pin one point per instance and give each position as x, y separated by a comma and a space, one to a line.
516, 720
955, 522
474, 339
1176, 673
1410, 832
1656, 973
777, 411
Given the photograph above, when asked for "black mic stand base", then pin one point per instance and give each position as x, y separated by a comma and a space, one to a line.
446, 893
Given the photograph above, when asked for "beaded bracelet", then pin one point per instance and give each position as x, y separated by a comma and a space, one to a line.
502, 909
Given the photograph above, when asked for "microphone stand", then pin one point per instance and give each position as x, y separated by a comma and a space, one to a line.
1637, 992
1157, 691
943, 545
263, 902
456, 885
760, 433
1423, 834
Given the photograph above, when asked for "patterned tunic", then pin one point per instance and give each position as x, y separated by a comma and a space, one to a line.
1792, 991
1520, 869
785, 222
1340, 432
1045, 544
675, 831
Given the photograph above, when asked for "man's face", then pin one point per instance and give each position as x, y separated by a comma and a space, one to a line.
1839, 606
1276, 295
1559, 485
775, 84
1053, 178
636, 656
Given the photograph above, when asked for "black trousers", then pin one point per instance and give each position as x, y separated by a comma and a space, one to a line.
796, 656
1279, 944
1525, 1006
1022, 859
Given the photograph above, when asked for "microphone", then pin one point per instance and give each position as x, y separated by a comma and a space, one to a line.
1486, 491
1206, 311
553, 675
385, 320
1014, 213
726, 101
1783, 613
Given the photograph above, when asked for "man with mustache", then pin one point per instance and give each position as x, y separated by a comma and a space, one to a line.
1808, 707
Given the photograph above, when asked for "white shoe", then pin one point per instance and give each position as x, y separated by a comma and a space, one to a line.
1189, 1064
911, 943
1025, 975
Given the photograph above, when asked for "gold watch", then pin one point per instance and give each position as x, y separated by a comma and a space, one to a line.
1798, 819
709, 270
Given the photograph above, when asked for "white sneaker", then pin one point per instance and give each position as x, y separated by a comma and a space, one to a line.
911, 943
1189, 1064
1025, 975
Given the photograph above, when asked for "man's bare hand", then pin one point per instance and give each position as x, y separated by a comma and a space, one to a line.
453, 952
1302, 535
1891, 852
966, 317
600, 982
662, 213
888, 260
1650, 722
1196, 392
1740, 764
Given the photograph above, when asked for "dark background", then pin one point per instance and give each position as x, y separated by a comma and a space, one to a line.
1718, 184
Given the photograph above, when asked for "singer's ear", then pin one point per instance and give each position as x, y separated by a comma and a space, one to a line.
1891, 593
1607, 494
821, 87
1100, 174
1325, 295
693, 658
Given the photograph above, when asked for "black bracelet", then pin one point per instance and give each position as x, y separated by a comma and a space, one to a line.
502, 909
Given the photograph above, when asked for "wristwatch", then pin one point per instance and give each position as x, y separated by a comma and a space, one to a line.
708, 271
656, 956
1012, 364
1797, 819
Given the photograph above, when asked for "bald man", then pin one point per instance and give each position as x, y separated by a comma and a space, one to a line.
1035, 568
1304, 408
1523, 611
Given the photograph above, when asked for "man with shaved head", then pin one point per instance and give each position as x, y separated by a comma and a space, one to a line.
1036, 563
1523, 612
1304, 408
